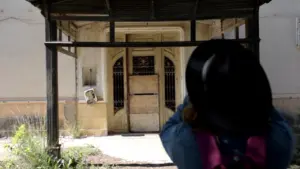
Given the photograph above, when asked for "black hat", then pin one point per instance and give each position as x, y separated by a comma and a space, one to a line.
228, 88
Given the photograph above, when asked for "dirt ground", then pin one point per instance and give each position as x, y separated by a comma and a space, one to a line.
118, 163
134, 149
120, 152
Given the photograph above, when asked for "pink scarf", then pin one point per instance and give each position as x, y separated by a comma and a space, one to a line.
212, 158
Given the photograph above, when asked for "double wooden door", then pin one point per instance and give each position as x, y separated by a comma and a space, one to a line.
143, 95
147, 97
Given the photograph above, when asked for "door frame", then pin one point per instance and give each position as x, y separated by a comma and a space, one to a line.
150, 51
179, 63
143, 29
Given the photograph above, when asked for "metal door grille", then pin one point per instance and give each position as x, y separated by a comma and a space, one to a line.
169, 84
143, 65
118, 84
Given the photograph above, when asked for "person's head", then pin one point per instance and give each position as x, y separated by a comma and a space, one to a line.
228, 88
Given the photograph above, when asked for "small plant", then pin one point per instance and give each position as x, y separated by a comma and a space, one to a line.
74, 130
28, 152
87, 150
28, 149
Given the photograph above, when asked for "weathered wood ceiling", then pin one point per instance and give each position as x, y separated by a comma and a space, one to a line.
143, 10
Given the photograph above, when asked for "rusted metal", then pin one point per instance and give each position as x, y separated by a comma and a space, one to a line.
152, 4
193, 30
252, 32
118, 84
107, 2
170, 88
52, 121
127, 60
120, 10
52, 91
138, 44
222, 29
112, 31
255, 22
237, 30
104, 18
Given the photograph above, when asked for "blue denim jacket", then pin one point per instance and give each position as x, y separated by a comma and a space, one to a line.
180, 144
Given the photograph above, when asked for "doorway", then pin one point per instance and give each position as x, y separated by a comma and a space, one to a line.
143, 94
144, 84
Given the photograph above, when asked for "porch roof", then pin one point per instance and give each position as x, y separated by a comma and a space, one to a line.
152, 10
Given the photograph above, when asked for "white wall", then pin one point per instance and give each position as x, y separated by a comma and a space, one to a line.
279, 55
22, 55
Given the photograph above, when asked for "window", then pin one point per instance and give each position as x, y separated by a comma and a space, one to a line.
170, 96
89, 76
143, 65
118, 82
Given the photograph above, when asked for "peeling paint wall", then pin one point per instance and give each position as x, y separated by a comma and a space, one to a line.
23, 68
91, 57
22, 55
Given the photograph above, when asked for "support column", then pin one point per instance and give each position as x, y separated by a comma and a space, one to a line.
237, 30
193, 26
52, 90
252, 31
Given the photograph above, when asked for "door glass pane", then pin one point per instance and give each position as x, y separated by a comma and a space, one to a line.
143, 65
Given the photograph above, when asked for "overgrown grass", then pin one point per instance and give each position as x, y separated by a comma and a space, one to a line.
85, 150
74, 130
28, 151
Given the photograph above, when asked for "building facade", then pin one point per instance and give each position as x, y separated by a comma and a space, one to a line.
137, 89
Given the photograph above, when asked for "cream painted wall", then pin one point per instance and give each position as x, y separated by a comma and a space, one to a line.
203, 33
91, 57
96, 56
22, 55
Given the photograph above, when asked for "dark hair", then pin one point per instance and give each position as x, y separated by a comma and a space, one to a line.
228, 88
